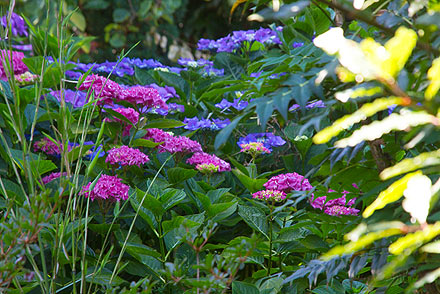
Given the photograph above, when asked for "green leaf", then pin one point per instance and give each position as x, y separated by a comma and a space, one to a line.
139, 250
144, 143
221, 211
146, 214
150, 203
174, 80
255, 218
164, 124
244, 288
179, 175
120, 15
119, 116
232, 64
224, 134
171, 198
253, 185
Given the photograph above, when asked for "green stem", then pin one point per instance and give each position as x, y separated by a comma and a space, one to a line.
161, 242
269, 266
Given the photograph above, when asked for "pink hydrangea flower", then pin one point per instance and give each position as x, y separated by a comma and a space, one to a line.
318, 203
125, 155
48, 147
103, 88
140, 95
205, 158
335, 207
157, 135
267, 195
107, 188
131, 114
288, 182
53, 176
16, 62
337, 210
254, 148
25, 78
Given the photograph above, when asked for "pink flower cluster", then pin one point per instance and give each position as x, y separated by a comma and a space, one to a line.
125, 155
107, 188
335, 207
52, 176
254, 148
108, 90
288, 182
270, 195
48, 147
147, 97
103, 88
16, 62
131, 114
205, 158
172, 144
25, 78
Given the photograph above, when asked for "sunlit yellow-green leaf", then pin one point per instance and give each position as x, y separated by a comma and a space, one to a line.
361, 243
344, 96
345, 75
393, 122
415, 239
434, 78
362, 113
400, 48
234, 6
409, 164
393, 193
433, 247
427, 279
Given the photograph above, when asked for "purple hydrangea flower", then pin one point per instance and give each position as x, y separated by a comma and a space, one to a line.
18, 25
76, 98
237, 104
205, 123
269, 140
310, 105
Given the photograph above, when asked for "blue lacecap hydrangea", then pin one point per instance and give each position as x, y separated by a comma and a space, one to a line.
310, 105
237, 104
91, 153
195, 123
269, 140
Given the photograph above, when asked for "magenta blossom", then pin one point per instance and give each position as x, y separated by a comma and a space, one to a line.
157, 135
143, 96
131, 114
288, 182
125, 155
205, 158
103, 88
53, 176
336, 207
254, 148
172, 144
269, 195
107, 188
15, 61
50, 148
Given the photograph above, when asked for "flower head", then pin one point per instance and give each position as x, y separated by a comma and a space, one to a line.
76, 98
107, 188
143, 96
205, 123
205, 158
47, 146
18, 25
52, 177
288, 182
125, 155
207, 168
103, 88
268, 195
15, 59
254, 148
269, 140
131, 114
172, 143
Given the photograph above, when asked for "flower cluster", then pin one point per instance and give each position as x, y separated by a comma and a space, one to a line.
335, 207
107, 188
15, 59
270, 195
131, 114
237, 38
205, 158
288, 182
172, 144
203, 63
144, 96
254, 148
125, 155
103, 88
269, 140
310, 105
238, 104
205, 123
53, 176
47, 146
17, 24
25, 78
91, 153
76, 98
207, 168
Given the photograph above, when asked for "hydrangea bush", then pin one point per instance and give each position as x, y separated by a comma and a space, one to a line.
220, 175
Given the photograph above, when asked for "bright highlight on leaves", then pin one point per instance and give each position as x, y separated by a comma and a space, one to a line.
417, 197
389, 195
434, 77
369, 60
393, 122
415, 239
347, 121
